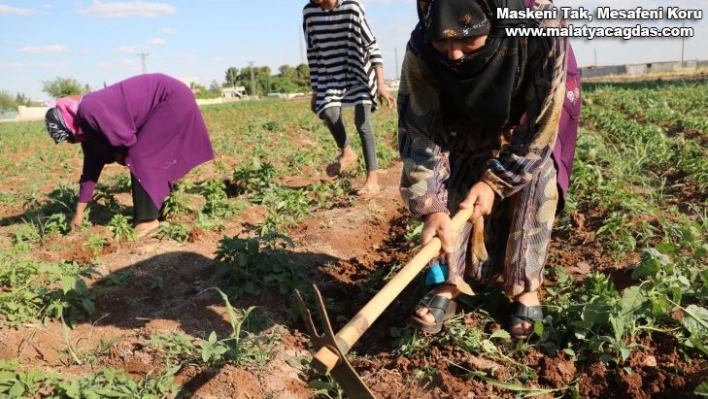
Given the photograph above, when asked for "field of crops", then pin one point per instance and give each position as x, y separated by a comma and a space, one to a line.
205, 309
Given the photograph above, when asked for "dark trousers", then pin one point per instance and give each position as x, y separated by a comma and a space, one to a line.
362, 118
143, 207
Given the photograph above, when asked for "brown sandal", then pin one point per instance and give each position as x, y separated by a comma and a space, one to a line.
520, 314
440, 307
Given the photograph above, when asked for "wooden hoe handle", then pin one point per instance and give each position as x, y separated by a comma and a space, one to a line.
325, 359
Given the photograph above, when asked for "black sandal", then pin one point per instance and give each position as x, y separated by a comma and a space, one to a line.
440, 307
521, 313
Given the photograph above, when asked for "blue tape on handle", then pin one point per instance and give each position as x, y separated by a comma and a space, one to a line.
436, 274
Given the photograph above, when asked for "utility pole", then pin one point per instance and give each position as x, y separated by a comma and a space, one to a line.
253, 82
301, 39
395, 52
142, 60
595, 56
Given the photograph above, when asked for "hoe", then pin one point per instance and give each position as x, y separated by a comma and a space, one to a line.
330, 349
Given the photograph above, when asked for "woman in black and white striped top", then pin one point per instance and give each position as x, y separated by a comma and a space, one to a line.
346, 69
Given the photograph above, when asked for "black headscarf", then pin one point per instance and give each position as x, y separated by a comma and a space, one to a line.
481, 85
56, 126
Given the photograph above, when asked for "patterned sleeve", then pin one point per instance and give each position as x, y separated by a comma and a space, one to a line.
426, 166
370, 42
531, 142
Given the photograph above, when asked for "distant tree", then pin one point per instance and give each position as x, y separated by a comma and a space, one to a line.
288, 80
303, 76
298, 78
64, 87
287, 71
231, 77
215, 87
202, 92
21, 99
261, 79
7, 102
280, 84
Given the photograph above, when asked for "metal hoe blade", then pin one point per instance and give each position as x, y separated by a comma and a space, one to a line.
343, 372
331, 348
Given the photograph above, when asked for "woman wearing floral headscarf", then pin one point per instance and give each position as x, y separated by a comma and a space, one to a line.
149, 123
488, 120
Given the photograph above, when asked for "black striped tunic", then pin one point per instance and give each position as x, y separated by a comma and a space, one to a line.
342, 53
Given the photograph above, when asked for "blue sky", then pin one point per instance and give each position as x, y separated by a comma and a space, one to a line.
99, 41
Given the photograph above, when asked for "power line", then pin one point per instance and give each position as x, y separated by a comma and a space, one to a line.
253, 82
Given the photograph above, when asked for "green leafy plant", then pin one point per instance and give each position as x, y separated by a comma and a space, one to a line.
241, 347
121, 228
61, 199
173, 231
326, 387
56, 224
254, 265
178, 347
178, 203
73, 300
117, 279
254, 180
112, 383
272, 126
26, 235
217, 201
95, 243
37, 291
104, 195
206, 222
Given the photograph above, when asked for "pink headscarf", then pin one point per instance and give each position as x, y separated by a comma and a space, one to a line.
69, 107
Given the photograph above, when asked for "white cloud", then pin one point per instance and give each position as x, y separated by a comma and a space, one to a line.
12, 65
50, 65
168, 31
7, 10
126, 49
56, 48
121, 10
156, 41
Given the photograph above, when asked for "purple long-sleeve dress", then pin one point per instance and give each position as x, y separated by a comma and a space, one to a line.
155, 120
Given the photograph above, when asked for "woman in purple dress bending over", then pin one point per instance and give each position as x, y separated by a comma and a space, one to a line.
150, 124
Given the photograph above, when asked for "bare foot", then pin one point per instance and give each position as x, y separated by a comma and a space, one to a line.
369, 191
371, 185
342, 162
146, 228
